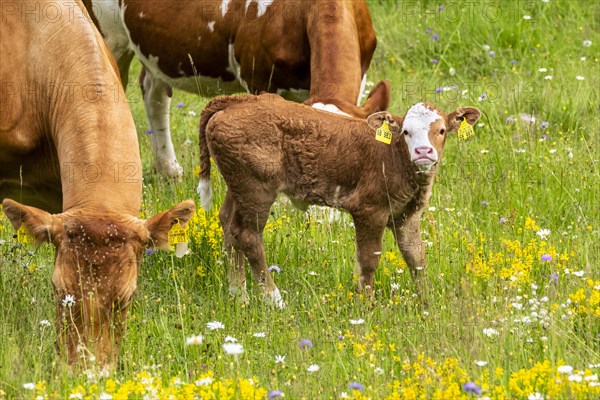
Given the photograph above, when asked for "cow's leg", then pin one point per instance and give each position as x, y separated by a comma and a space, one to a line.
235, 257
369, 233
248, 226
407, 233
157, 99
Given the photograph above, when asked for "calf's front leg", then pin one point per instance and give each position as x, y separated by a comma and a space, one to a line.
369, 233
407, 233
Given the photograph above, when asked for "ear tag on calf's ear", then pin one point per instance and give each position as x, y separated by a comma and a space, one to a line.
383, 133
178, 236
465, 131
23, 236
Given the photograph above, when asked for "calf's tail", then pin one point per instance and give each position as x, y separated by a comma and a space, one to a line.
204, 189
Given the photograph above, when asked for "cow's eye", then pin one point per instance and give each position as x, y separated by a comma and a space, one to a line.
442, 131
405, 132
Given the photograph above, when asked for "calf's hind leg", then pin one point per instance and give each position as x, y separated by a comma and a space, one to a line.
246, 227
235, 257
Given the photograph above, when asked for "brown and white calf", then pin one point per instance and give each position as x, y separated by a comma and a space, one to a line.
68, 145
264, 145
212, 47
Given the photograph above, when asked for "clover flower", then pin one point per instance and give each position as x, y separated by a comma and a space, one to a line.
215, 325
305, 344
68, 301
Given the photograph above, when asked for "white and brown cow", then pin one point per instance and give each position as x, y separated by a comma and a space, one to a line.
213, 47
265, 145
68, 145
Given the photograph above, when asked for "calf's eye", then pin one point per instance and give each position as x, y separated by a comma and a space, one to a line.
405, 132
442, 131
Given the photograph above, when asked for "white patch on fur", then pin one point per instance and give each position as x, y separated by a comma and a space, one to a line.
224, 7
275, 298
205, 192
211, 26
417, 123
248, 2
361, 92
262, 7
330, 108
234, 67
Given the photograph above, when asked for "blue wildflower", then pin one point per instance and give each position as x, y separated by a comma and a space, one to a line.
471, 387
356, 386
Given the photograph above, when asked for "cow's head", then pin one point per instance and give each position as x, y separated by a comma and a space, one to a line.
95, 269
424, 129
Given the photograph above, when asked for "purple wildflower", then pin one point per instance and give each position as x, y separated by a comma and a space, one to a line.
554, 278
546, 257
274, 268
528, 72
149, 251
427, 30
434, 61
180, 105
149, 132
484, 203
435, 37
439, 90
509, 120
517, 137
544, 136
503, 220
275, 394
340, 338
544, 125
513, 61
356, 386
492, 54
305, 344
471, 387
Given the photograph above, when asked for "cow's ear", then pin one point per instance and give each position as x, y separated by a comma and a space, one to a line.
160, 224
38, 223
376, 120
455, 118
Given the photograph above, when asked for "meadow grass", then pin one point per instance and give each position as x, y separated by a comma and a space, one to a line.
508, 307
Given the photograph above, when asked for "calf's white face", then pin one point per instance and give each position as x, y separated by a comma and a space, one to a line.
416, 128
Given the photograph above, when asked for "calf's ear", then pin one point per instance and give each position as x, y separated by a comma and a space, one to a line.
159, 225
376, 120
38, 223
455, 118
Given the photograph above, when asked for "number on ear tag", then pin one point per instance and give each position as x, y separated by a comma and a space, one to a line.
465, 131
383, 133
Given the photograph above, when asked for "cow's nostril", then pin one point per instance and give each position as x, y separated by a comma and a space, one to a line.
423, 150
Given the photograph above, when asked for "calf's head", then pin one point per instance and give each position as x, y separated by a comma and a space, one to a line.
424, 129
95, 269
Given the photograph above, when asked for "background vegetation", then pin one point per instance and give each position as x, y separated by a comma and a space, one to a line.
515, 311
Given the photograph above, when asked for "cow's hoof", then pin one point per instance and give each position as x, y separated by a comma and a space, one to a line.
170, 169
274, 298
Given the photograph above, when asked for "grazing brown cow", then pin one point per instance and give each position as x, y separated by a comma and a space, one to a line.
68, 145
264, 145
212, 47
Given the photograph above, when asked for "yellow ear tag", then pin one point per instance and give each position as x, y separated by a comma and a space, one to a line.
23, 236
383, 133
178, 236
465, 130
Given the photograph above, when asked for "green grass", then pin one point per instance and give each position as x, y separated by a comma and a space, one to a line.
485, 190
